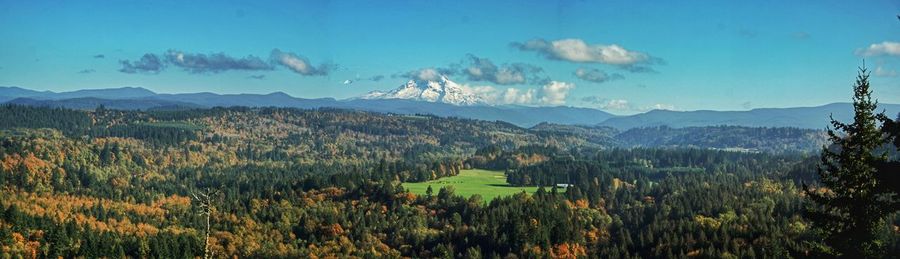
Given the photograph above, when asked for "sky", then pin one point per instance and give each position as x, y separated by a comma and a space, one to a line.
620, 56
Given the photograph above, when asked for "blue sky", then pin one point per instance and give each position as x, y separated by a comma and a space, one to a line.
684, 55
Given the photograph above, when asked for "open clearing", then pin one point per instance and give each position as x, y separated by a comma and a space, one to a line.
489, 184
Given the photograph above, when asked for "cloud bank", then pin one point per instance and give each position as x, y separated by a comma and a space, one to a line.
884, 72
886, 48
483, 69
576, 50
149, 64
299, 64
214, 63
622, 105
477, 69
596, 75
553, 93
425, 74
198, 63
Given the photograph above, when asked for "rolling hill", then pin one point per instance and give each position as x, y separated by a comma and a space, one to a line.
136, 98
130, 98
800, 117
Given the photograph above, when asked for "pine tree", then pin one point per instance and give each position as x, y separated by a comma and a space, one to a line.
889, 172
849, 209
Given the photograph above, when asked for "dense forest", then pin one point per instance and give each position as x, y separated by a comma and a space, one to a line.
328, 183
733, 138
736, 138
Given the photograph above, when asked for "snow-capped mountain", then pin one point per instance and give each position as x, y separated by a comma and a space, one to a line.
442, 90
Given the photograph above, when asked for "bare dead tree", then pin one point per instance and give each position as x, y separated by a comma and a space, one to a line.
204, 201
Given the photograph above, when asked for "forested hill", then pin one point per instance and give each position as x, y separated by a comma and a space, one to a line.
817, 117
734, 138
339, 139
132, 98
727, 138
420, 135
289, 183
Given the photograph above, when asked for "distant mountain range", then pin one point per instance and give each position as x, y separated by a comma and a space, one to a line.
143, 99
799, 117
9, 93
441, 98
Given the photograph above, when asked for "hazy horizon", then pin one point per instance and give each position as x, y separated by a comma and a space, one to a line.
611, 111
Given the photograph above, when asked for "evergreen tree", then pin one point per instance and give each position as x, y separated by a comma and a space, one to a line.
889, 172
849, 210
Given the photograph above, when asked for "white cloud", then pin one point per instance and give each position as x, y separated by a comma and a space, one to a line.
424, 74
662, 106
299, 64
596, 75
483, 69
623, 105
886, 48
488, 93
510, 95
507, 76
428, 74
516, 96
576, 50
555, 92
617, 104
884, 72
477, 69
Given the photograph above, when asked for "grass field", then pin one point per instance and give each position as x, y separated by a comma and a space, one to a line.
489, 184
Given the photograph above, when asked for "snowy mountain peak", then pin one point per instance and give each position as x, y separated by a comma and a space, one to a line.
442, 90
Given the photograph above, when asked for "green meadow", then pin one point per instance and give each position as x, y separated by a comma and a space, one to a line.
489, 184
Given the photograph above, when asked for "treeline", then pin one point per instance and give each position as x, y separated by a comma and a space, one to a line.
69, 239
733, 138
737, 138
494, 157
80, 123
68, 121
156, 134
